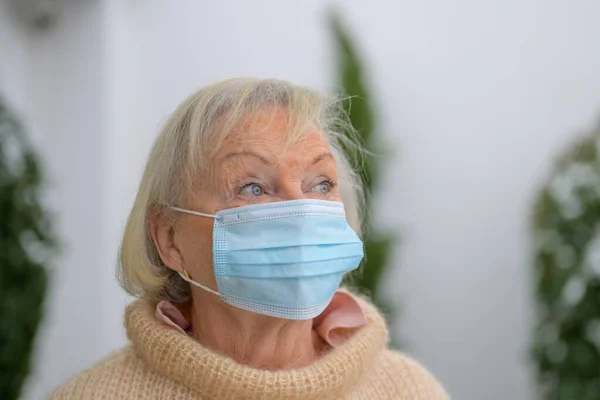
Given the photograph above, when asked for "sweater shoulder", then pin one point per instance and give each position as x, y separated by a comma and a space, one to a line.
410, 379
110, 378
87, 383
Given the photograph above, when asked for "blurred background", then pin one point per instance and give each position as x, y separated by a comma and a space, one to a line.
472, 102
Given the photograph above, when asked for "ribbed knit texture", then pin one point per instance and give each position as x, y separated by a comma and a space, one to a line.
162, 363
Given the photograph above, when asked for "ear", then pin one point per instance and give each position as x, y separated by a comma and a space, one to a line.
163, 235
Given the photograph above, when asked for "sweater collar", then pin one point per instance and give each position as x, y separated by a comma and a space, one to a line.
342, 317
183, 359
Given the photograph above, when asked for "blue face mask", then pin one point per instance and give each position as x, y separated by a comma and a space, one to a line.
283, 259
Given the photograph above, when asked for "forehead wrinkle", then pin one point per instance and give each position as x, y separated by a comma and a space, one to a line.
238, 155
270, 146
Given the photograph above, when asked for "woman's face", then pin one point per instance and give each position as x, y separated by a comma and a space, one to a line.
257, 166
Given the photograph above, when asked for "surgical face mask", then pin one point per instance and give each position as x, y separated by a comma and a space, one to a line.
284, 259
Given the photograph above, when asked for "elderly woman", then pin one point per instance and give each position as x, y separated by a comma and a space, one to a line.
246, 220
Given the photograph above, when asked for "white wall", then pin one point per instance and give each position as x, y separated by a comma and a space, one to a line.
475, 97
56, 80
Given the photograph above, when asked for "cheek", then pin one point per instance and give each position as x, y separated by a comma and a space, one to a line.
196, 247
335, 197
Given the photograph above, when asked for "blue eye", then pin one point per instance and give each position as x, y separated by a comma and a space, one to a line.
322, 188
252, 189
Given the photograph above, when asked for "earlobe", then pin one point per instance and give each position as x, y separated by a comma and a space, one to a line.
163, 236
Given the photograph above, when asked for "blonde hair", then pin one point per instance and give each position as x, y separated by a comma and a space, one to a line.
194, 132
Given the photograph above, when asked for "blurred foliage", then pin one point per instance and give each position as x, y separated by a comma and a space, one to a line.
25, 243
566, 224
357, 103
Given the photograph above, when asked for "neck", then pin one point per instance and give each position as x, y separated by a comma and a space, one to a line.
252, 339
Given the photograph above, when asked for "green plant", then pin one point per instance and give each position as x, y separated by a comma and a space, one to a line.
357, 104
24, 243
566, 234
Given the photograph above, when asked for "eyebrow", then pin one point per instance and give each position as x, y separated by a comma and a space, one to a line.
263, 160
321, 157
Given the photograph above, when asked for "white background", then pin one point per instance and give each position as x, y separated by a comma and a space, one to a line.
474, 97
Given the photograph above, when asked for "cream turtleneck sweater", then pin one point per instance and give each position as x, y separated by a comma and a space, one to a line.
162, 363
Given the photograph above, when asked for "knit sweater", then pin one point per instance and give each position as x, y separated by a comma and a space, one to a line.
161, 363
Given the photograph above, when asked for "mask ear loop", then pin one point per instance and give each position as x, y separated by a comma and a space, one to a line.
183, 210
186, 277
